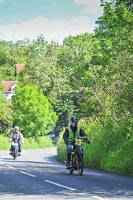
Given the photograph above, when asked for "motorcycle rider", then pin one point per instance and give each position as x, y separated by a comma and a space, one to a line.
70, 133
16, 136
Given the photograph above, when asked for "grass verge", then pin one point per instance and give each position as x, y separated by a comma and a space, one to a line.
29, 143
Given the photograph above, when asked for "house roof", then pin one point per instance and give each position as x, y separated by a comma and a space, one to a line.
19, 67
8, 84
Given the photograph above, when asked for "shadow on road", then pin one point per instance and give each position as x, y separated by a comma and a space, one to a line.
12, 182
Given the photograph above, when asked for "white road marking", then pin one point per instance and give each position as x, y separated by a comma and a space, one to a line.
1, 159
4, 157
51, 182
10, 166
99, 198
27, 173
63, 186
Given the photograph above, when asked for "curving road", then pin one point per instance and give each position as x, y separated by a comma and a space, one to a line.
37, 175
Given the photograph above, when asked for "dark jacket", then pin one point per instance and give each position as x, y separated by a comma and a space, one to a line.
66, 133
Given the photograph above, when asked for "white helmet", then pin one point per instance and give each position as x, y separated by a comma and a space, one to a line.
16, 127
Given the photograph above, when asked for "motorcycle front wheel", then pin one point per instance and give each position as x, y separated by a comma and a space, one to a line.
80, 166
15, 152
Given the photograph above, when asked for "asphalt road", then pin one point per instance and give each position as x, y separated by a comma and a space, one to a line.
37, 175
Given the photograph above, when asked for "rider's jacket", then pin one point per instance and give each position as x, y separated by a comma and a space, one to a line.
72, 132
16, 137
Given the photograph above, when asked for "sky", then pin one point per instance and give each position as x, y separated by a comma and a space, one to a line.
55, 19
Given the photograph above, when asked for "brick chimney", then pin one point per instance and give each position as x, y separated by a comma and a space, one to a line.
19, 68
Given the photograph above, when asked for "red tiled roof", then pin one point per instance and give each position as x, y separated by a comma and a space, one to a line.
19, 67
8, 84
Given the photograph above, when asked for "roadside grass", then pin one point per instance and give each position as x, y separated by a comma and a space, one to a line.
29, 143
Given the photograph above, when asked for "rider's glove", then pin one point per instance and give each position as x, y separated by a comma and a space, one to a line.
66, 141
73, 141
87, 141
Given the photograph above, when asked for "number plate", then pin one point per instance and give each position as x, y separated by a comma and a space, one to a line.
78, 141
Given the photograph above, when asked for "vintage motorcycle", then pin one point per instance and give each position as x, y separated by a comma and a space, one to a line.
76, 161
14, 152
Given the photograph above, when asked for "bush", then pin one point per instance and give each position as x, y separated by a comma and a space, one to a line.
61, 149
4, 143
29, 143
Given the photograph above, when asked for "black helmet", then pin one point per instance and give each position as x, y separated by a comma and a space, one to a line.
73, 119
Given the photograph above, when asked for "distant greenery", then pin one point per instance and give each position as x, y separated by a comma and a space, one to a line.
29, 143
36, 143
89, 75
6, 112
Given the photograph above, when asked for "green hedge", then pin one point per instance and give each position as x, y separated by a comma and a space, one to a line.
29, 143
110, 149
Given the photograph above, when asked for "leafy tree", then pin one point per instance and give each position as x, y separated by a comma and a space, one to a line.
41, 63
6, 113
114, 34
33, 112
72, 64
10, 55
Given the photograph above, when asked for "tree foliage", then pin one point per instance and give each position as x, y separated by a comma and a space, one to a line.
6, 112
33, 112
89, 75
10, 55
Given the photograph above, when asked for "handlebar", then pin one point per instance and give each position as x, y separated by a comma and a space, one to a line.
82, 137
78, 140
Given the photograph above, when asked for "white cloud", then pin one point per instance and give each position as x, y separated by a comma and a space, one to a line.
92, 6
55, 30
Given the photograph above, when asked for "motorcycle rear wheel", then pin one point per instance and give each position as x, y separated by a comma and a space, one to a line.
80, 166
70, 171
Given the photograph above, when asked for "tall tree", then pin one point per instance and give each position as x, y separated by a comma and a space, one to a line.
10, 55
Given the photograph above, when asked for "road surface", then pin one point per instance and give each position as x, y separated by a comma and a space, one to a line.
37, 175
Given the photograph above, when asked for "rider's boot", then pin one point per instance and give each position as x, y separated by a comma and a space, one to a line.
19, 154
68, 160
